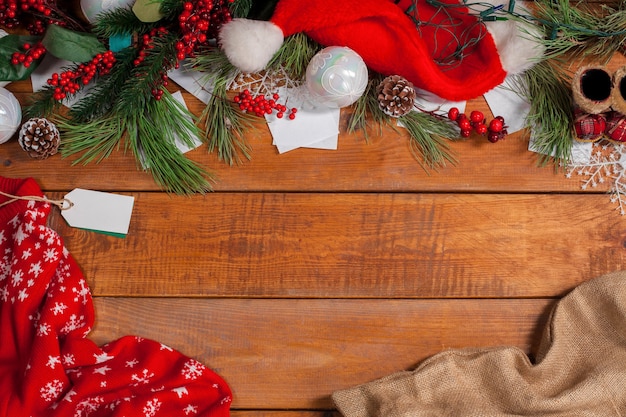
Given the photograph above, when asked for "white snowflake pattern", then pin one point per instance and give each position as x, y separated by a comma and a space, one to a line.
131, 364
143, 378
50, 255
22, 295
43, 329
607, 163
180, 391
151, 407
192, 369
51, 390
17, 277
27, 254
19, 236
81, 292
68, 359
58, 308
53, 361
190, 409
74, 323
35, 269
88, 406
102, 357
4, 293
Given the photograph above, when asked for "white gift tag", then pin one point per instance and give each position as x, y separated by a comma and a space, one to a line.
99, 211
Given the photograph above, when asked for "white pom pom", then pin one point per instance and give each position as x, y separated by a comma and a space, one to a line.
250, 44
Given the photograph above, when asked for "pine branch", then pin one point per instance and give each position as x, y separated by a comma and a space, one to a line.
94, 141
580, 30
42, 103
548, 91
366, 110
241, 8
225, 126
295, 54
429, 139
136, 93
119, 21
105, 92
156, 146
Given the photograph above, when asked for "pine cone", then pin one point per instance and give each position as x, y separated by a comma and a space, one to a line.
39, 138
396, 96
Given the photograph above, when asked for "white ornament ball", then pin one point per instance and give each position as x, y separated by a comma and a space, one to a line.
92, 8
10, 114
336, 77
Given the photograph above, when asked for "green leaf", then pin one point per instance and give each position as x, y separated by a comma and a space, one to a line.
72, 46
8, 45
148, 11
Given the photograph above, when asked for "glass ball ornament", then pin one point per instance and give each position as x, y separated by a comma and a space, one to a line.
92, 8
10, 114
336, 77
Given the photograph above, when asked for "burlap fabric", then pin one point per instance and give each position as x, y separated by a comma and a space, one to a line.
580, 369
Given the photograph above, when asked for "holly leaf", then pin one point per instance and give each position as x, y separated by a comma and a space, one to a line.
8, 45
71, 46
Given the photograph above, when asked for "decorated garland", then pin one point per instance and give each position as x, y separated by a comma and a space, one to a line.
117, 82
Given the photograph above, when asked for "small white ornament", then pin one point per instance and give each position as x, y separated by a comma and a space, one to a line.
336, 77
92, 8
10, 114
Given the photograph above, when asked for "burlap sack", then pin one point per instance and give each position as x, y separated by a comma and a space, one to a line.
580, 369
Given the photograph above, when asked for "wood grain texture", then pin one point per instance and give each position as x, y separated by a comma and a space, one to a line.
292, 354
354, 245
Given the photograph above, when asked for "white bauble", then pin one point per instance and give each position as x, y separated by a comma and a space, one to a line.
92, 8
336, 77
10, 114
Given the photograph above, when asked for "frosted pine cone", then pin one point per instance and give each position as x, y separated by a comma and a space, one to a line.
39, 138
396, 96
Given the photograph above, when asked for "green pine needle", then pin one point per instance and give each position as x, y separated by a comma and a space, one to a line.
93, 141
119, 21
365, 110
294, 55
429, 139
225, 127
581, 30
548, 91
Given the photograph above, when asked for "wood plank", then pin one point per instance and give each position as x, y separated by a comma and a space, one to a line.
354, 245
293, 353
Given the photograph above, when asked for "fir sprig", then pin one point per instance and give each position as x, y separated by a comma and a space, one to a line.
548, 91
581, 30
105, 92
429, 139
365, 110
119, 21
224, 125
92, 141
294, 55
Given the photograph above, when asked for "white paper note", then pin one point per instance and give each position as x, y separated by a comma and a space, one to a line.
506, 102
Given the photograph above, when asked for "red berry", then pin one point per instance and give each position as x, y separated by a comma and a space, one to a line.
481, 128
496, 125
453, 113
466, 133
477, 116
464, 124
493, 137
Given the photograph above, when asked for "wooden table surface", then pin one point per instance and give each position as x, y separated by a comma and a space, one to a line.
313, 271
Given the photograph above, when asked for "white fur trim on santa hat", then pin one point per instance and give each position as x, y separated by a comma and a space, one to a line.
518, 43
250, 44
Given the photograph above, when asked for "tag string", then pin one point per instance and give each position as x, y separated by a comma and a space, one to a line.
63, 204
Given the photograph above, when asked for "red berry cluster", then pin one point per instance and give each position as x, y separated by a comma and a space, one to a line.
30, 53
43, 11
200, 21
495, 131
261, 106
69, 82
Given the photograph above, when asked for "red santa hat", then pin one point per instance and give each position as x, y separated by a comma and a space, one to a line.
410, 38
